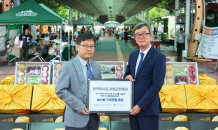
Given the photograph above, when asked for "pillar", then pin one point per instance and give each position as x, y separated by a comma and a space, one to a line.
70, 14
81, 15
176, 14
142, 13
147, 15
187, 22
76, 15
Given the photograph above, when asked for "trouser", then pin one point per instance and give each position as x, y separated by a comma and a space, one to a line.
24, 53
179, 48
144, 122
92, 124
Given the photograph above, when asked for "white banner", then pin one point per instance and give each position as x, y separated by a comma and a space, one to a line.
209, 43
110, 96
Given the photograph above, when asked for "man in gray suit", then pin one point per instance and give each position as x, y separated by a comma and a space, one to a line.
72, 85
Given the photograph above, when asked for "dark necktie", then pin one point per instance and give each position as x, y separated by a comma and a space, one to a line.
89, 72
140, 63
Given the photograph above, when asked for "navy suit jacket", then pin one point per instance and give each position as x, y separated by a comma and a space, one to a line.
148, 81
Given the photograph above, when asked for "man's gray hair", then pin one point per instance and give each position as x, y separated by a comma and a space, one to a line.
140, 25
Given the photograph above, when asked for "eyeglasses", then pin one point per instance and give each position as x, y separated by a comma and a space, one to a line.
86, 47
144, 34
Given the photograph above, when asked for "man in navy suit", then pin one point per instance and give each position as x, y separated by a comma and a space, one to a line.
147, 67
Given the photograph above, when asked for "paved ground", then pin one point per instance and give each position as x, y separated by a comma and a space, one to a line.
111, 50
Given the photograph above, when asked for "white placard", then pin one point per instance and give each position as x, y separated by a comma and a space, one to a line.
16, 40
208, 45
21, 44
110, 96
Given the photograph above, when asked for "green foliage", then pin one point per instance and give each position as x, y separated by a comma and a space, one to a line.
156, 13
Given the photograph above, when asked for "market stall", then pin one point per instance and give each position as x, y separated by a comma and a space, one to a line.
64, 22
131, 22
30, 12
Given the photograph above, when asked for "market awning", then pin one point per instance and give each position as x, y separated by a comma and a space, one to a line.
113, 25
64, 20
131, 22
29, 12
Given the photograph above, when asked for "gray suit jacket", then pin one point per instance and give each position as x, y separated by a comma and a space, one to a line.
71, 87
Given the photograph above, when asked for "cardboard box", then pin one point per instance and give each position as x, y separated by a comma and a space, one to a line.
168, 125
119, 117
173, 117
46, 118
104, 125
46, 126
196, 125
12, 118
44, 42
202, 117
12, 126
120, 125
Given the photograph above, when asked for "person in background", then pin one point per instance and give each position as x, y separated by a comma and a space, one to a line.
180, 41
146, 68
126, 36
103, 32
155, 31
64, 37
78, 34
43, 36
72, 85
122, 34
89, 31
24, 49
110, 32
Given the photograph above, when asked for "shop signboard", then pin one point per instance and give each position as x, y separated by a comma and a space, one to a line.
208, 45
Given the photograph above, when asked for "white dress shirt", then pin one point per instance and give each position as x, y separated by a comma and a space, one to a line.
139, 58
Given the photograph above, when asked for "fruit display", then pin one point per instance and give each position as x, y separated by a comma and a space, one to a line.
181, 80
56, 69
112, 69
181, 73
32, 73
34, 70
108, 69
191, 70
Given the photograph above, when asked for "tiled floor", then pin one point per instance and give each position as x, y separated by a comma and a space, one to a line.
103, 54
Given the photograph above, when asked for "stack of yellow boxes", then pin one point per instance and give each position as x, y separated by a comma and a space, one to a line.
8, 80
45, 100
173, 98
15, 98
205, 80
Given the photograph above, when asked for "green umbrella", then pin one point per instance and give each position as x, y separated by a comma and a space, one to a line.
83, 21
131, 22
29, 12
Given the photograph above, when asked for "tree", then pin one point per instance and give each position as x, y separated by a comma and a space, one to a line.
155, 14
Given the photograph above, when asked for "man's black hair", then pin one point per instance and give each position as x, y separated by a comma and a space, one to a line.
85, 36
27, 28
181, 29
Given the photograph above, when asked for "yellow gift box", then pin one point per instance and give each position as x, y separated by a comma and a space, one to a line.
8, 80
45, 100
202, 98
173, 98
205, 80
15, 98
